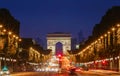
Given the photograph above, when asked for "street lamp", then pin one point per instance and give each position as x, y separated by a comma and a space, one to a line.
77, 46
59, 61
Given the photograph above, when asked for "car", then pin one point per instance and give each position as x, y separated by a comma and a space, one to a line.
72, 72
4, 71
78, 69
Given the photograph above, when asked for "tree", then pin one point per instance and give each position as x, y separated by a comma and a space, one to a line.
11, 24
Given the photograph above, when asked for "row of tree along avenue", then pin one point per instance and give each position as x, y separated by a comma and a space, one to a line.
9, 38
102, 48
23, 53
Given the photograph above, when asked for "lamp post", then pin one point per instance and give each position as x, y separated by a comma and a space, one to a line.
0, 53
60, 62
1, 59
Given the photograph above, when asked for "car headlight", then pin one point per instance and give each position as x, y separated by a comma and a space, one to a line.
1, 72
7, 72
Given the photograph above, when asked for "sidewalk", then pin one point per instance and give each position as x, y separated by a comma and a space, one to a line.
105, 71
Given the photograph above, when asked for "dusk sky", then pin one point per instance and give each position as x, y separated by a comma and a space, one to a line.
39, 17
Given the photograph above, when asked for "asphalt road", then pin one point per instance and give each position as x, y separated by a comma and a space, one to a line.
82, 73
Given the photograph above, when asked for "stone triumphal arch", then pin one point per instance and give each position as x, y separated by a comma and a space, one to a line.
56, 38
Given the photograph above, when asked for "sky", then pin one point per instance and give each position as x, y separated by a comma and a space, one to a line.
39, 17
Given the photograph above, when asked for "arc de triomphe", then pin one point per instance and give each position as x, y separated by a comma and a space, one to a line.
63, 38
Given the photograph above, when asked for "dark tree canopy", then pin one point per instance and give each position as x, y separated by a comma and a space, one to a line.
8, 21
111, 18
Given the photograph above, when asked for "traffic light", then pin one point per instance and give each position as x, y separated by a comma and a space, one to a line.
60, 60
59, 55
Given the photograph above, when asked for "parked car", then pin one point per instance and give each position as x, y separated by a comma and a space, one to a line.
72, 72
4, 71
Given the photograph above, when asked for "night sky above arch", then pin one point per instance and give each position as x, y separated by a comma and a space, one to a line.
39, 17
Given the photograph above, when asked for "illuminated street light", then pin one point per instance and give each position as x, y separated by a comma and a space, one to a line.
4, 30
113, 29
108, 32
14, 36
1, 26
9, 33
20, 39
101, 37
77, 46
118, 25
105, 35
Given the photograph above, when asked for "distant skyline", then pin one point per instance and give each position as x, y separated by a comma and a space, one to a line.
39, 17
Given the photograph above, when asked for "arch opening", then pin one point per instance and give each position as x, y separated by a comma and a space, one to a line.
59, 48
